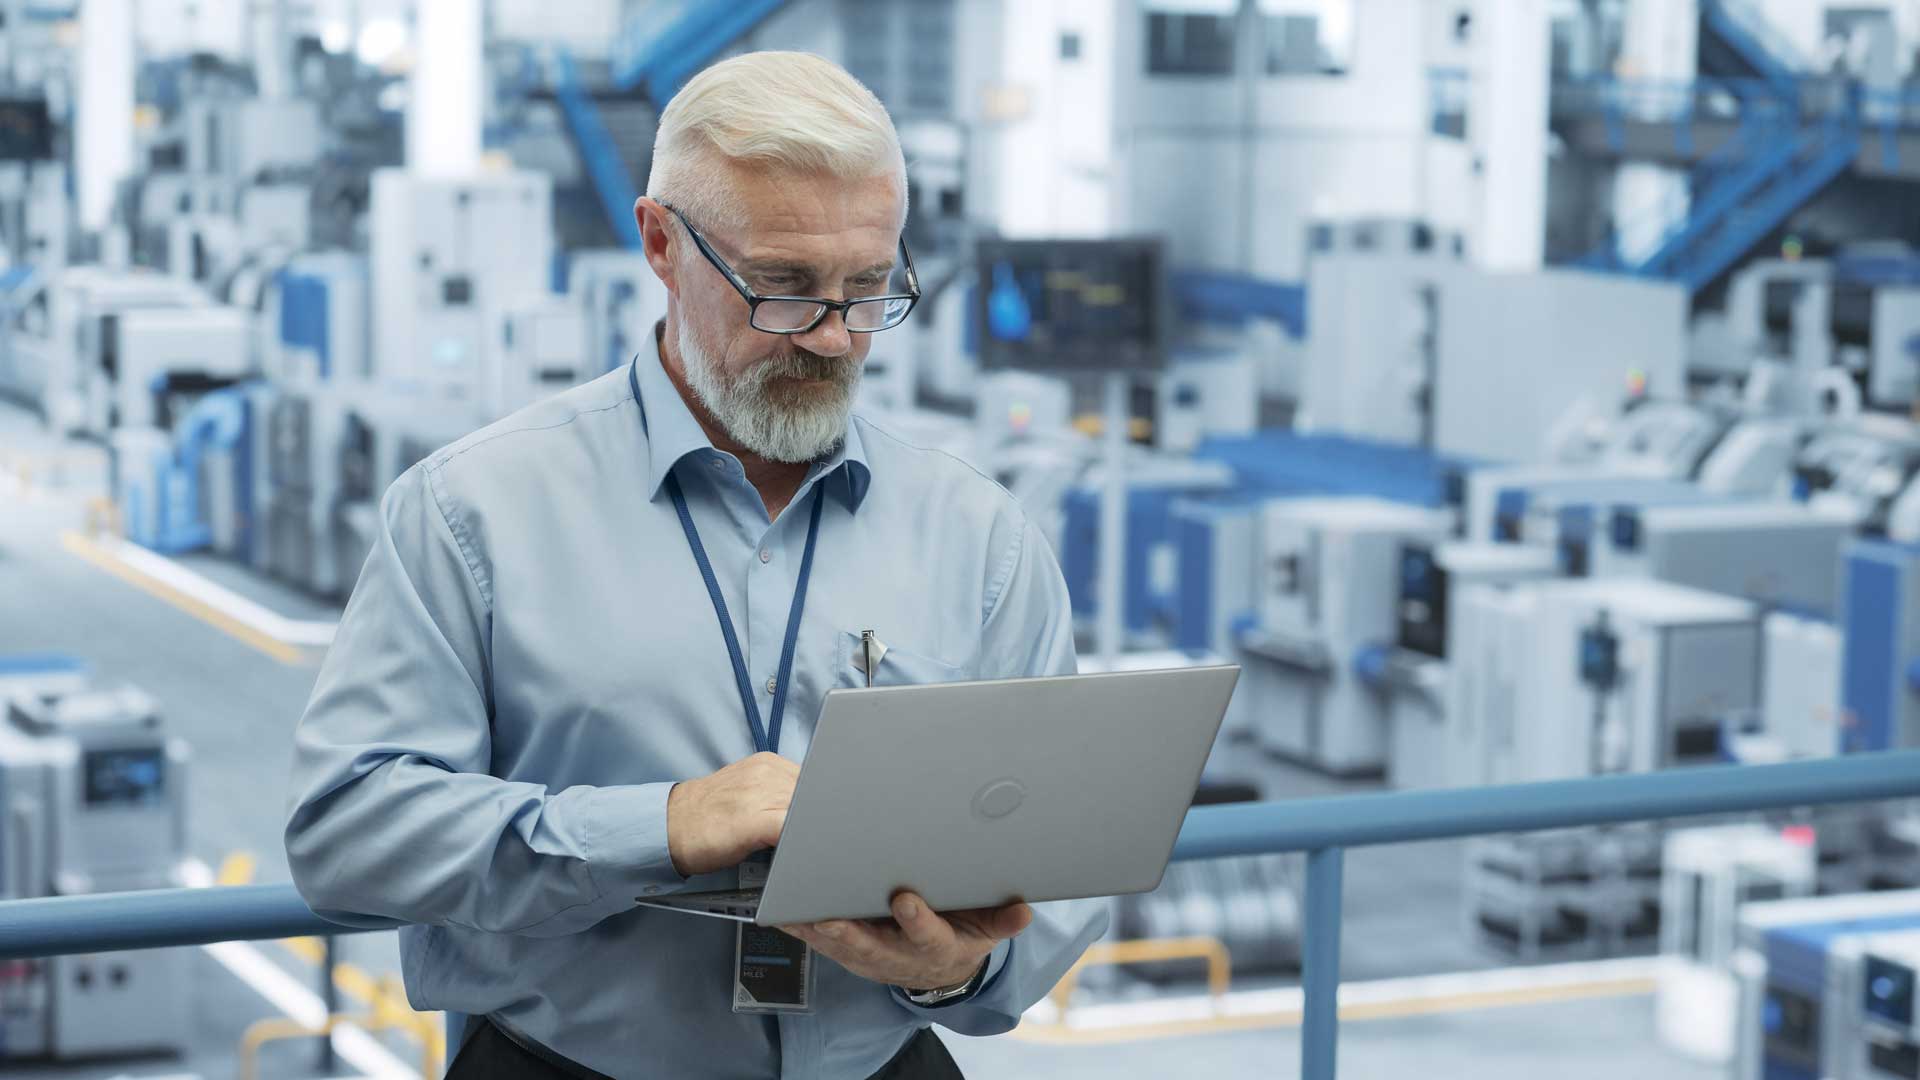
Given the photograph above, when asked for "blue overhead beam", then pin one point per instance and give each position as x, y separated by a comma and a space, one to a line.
673, 39
1211, 296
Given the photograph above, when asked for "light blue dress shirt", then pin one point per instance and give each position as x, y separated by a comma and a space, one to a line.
530, 661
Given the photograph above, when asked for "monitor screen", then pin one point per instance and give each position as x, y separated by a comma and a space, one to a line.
1066, 306
26, 130
133, 776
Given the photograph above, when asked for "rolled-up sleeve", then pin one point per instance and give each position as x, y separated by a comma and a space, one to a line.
393, 811
1028, 630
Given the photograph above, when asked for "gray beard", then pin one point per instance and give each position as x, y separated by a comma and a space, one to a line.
750, 408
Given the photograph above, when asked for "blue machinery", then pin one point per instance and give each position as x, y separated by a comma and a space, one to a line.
1323, 828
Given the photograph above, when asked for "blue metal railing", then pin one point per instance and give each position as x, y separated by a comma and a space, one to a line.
1759, 43
1323, 828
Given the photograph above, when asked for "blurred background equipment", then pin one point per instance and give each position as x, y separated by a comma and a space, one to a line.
1517, 389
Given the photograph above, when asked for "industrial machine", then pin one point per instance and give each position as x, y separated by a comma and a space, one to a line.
1580, 678
1707, 875
621, 298
449, 258
1890, 1045
1417, 674
1880, 671
1778, 554
1566, 893
97, 794
1802, 995
67, 364
1325, 582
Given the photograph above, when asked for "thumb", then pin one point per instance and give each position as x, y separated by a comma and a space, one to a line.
923, 928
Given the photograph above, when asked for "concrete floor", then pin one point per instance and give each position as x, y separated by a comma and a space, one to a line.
236, 706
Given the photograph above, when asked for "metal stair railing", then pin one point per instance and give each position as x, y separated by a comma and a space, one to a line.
1321, 827
1827, 155
672, 39
598, 152
1757, 40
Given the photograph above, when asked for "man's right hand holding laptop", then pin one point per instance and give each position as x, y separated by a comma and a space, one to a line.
716, 821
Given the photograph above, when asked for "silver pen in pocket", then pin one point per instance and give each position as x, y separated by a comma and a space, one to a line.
866, 649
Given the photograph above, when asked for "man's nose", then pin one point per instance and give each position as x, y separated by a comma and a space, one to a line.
829, 338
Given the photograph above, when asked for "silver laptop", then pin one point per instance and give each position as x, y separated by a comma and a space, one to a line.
976, 794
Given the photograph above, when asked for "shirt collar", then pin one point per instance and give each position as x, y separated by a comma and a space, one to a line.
674, 435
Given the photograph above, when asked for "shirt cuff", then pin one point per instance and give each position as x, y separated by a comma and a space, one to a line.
996, 961
626, 841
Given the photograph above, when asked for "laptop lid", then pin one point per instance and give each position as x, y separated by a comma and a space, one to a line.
977, 793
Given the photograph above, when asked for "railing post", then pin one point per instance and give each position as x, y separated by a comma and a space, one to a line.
330, 996
1320, 965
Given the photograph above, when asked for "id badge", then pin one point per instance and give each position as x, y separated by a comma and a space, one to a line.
772, 971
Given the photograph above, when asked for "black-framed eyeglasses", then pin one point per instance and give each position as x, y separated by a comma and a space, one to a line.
799, 314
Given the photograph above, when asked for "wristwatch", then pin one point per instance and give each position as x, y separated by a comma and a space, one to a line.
928, 998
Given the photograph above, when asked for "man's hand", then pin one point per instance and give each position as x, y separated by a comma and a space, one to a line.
718, 820
919, 949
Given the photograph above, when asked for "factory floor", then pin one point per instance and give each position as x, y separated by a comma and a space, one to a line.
234, 696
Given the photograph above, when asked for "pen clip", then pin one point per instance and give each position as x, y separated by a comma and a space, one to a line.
866, 649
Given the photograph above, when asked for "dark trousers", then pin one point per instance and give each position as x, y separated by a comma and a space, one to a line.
491, 1054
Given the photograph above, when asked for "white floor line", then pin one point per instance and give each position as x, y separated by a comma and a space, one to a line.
302, 1005
295, 632
1403, 991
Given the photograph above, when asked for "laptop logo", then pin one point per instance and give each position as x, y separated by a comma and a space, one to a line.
999, 798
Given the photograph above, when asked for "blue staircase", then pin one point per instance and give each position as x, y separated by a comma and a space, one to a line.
1713, 242
672, 39
1752, 41
612, 178
660, 50
1783, 154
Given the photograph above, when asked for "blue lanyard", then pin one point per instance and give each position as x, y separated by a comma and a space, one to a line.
765, 739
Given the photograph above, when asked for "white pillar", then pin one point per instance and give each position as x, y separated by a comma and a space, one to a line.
1508, 117
1661, 44
104, 154
270, 42
443, 101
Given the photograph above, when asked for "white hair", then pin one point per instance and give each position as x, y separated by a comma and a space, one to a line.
783, 110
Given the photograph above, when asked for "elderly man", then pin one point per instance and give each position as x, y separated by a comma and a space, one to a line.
591, 641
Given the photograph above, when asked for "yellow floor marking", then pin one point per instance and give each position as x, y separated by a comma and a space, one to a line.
358, 986
236, 869
86, 549
1058, 1035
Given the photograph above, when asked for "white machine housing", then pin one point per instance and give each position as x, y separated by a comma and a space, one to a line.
1783, 554
1422, 709
448, 258
1707, 875
97, 794
1681, 659
1326, 582
214, 342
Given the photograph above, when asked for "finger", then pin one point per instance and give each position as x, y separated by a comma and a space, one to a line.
1012, 920
923, 928
855, 939
994, 924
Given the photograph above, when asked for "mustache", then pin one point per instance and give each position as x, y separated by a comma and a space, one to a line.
803, 364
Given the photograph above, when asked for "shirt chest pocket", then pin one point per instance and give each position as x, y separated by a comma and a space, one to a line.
893, 665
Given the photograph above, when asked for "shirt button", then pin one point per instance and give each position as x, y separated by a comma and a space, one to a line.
770, 683
765, 555
719, 464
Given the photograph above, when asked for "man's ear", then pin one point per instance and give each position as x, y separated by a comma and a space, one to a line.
651, 218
